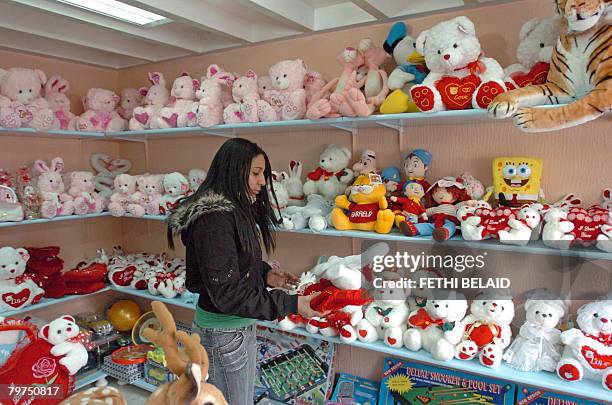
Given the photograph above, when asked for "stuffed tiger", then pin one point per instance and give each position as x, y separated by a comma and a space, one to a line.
580, 73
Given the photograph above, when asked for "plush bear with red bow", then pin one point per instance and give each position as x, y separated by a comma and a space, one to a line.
176, 186
333, 176
16, 289
588, 350
460, 76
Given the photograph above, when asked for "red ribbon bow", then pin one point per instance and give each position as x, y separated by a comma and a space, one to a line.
422, 319
476, 67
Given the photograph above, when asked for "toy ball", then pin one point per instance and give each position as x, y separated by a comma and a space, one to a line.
123, 314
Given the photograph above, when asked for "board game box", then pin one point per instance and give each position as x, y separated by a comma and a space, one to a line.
355, 390
407, 383
293, 369
536, 396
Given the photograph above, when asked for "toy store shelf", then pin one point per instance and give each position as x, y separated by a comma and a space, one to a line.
56, 219
145, 294
585, 388
47, 302
141, 383
89, 378
31, 132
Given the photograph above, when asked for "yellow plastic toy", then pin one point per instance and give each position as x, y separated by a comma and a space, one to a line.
516, 181
367, 207
123, 314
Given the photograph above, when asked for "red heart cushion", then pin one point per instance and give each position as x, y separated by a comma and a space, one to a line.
17, 298
537, 75
94, 272
587, 223
494, 220
122, 277
457, 92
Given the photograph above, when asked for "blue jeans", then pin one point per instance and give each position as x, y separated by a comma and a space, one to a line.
232, 357
427, 228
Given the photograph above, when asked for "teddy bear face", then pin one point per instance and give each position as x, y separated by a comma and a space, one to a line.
101, 100
449, 310
210, 89
263, 83
245, 86
12, 262
184, 87
334, 158
542, 314
83, 181
60, 330
150, 185
130, 98
175, 184
125, 184
58, 102
537, 40
288, 74
595, 318
22, 85
196, 178
51, 182
450, 45
529, 215
493, 310
157, 95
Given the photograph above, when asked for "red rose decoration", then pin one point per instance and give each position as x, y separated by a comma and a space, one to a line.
44, 367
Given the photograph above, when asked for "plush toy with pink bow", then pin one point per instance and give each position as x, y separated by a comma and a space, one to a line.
155, 97
55, 201
180, 109
100, 114
55, 94
287, 95
247, 106
212, 89
82, 190
129, 99
21, 89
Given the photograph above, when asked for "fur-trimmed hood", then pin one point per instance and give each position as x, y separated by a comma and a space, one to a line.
185, 215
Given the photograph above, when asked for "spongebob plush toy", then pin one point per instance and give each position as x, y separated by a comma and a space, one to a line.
516, 181
366, 206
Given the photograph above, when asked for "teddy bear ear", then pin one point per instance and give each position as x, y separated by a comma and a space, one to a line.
421, 41
143, 91
465, 25
250, 74
44, 332
57, 164
184, 73
68, 318
25, 256
212, 70
41, 76
227, 79
41, 166
527, 28
195, 83
301, 62
607, 194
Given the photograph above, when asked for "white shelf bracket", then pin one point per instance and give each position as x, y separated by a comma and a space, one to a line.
348, 127
393, 125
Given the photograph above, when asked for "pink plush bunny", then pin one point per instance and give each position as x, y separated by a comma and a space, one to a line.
149, 193
82, 190
247, 106
55, 94
130, 99
154, 99
121, 201
180, 110
350, 59
226, 91
23, 89
287, 96
55, 202
210, 94
100, 114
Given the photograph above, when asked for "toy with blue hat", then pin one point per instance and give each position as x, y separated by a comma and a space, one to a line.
410, 70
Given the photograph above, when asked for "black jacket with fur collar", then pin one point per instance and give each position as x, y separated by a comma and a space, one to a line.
228, 280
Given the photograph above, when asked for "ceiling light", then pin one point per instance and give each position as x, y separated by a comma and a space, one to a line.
118, 10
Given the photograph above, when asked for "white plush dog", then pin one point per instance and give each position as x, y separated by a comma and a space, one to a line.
59, 332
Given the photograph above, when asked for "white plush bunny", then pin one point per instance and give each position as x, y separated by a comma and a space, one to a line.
293, 184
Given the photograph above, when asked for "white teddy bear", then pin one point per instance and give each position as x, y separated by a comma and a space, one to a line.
437, 327
16, 291
538, 345
537, 40
557, 229
196, 178
333, 176
588, 350
460, 76
176, 186
487, 329
59, 333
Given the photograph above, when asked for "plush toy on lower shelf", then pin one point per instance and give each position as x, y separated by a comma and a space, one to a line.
17, 290
62, 333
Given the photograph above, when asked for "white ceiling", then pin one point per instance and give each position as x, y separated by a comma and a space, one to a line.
56, 29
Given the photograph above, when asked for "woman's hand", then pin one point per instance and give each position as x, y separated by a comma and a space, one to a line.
277, 278
304, 307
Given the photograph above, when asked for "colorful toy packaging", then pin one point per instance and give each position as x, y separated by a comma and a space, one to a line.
355, 390
413, 383
293, 369
535, 396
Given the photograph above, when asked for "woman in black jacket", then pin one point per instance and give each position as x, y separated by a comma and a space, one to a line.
223, 226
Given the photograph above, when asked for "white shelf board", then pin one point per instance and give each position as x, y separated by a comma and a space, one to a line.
47, 302
145, 294
89, 378
52, 220
58, 134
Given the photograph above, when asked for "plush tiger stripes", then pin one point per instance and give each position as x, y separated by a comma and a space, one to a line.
580, 73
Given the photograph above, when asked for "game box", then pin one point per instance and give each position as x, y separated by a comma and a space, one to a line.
536, 396
355, 390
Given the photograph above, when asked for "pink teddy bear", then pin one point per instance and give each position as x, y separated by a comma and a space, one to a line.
82, 190
248, 107
210, 94
154, 99
287, 96
100, 114
22, 91
180, 110
130, 99
149, 193
55, 94
121, 201
55, 202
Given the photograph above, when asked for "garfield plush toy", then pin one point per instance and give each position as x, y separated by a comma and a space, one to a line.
366, 207
580, 73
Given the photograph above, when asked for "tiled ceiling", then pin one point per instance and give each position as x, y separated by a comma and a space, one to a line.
56, 29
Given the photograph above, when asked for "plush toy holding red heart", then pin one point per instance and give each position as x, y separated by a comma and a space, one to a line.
16, 290
460, 76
